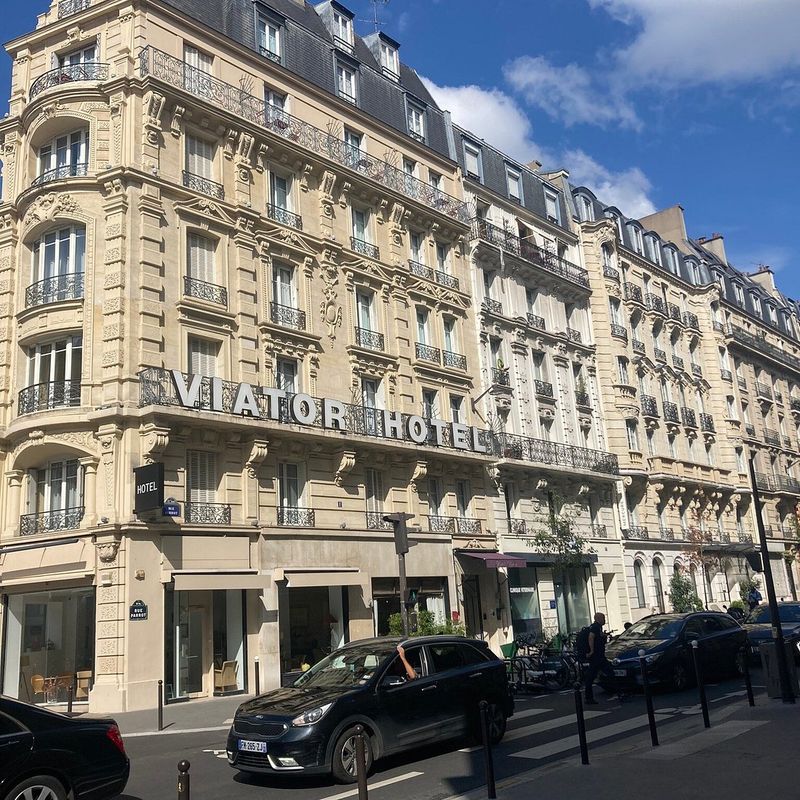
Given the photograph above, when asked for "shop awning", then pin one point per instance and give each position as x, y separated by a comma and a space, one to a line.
495, 560
548, 559
297, 577
188, 581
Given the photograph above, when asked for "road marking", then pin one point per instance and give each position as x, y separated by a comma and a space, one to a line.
548, 725
700, 741
217, 753
174, 730
728, 696
379, 785
531, 712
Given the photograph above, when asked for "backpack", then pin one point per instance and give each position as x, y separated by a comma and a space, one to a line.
582, 644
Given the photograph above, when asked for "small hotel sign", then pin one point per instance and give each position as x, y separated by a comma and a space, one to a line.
306, 410
148, 487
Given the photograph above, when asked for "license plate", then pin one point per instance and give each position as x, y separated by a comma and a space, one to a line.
620, 673
252, 747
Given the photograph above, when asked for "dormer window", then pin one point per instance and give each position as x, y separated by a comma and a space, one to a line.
416, 121
346, 82
585, 209
342, 30
739, 294
472, 160
514, 183
269, 38
636, 239
756, 305
390, 61
551, 207
654, 250
773, 314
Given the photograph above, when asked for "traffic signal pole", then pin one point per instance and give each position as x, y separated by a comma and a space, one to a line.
401, 567
401, 547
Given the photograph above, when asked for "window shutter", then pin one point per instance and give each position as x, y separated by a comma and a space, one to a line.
202, 476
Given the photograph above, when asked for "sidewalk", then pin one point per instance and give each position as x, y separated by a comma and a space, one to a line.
746, 752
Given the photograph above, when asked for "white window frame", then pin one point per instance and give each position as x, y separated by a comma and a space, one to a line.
203, 356
292, 385
342, 29
270, 29
283, 284
74, 154
415, 117
390, 60
199, 156
58, 492
472, 152
274, 185
291, 481
73, 238
365, 230
87, 54
205, 268
71, 362
346, 82
202, 477
514, 176
552, 207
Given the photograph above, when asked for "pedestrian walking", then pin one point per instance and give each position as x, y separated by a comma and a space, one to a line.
754, 598
597, 663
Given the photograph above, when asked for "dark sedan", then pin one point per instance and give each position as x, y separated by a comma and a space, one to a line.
667, 641
48, 756
309, 727
759, 627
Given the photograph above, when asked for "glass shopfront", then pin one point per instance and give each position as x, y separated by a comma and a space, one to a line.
430, 592
572, 600
49, 645
523, 590
204, 643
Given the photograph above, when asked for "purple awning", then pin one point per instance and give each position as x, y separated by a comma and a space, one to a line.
495, 560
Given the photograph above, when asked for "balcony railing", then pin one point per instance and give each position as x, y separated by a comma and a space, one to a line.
678, 363
726, 375
90, 71
660, 355
493, 306
371, 340
416, 268
718, 326
636, 532
689, 417
649, 406
425, 352
690, 320
207, 513
364, 248
667, 534
526, 249
284, 217
376, 521
598, 531
500, 377
778, 397
794, 403
454, 525
234, 99
202, 290
53, 290
763, 390
79, 170
67, 8
633, 292
777, 483
543, 388
574, 335
445, 279
524, 448
706, 423
582, 399
638, 347
655, 303
787, 442
535, 321
697, 370
454, 360
673, 312
619, 331
197, 183
290, 517
772, 437
66, 519
741, 382
517, 527
750, 429
56, 394
670, 411
611, 272
761, 346
287, 316
270, 54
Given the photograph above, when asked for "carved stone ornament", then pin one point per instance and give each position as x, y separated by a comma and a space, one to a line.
474, 544
347, 460
177, 121
326, 192
419, 474
494, 476
49, 206
156, 440
258, 452
107, 551
152, 125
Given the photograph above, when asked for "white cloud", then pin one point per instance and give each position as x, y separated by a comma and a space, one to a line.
776, 256
494, 116
569, 93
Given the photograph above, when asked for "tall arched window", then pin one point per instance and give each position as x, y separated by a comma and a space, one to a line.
641, 599
57, 268
658, 584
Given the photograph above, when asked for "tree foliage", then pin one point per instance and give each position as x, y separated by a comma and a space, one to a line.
561, 539
682, 594
746, 586
426, 625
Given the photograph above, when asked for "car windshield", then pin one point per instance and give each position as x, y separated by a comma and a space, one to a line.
351, 666
654, 628
785, 613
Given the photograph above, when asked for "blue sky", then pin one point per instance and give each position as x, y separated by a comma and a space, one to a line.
649, 102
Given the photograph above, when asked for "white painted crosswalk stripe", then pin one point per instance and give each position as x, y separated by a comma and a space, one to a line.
702, 740
377, 785
547, 725
531, 712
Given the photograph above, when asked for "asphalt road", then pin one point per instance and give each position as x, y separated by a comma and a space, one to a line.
542, 731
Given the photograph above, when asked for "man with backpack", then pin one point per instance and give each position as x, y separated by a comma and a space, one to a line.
591, 649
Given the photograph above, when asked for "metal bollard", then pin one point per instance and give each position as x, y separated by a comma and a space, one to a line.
70, 693
491, 789
183, 780
581, 724
701, 687
748, 684
361, 763
648, 698
258, 677
161, 705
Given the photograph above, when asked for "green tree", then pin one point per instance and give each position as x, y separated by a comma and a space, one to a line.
426, 625
746, 586
682, 594
560, 538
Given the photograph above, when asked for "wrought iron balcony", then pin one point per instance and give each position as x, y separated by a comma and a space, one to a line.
582, 399
416, 268
524, 448
206, 186
598, 532
468, 525
673, 312
284, 217
517, 527
287, 316
726, 375
678, 363
787, 442
763, 390
689, 417
660, 355
750, 429
526, 249
772, 437
454, 360
690, 320
707, 423
202, 290
574, 335
670, 411
441, 524
718, 326
632, 292
371, 340
697, 370
794, 403
364, 248
66, 519
760, 346
636, 532
234, 99
67, 8
290, 517
443, 279
744, 537
742, 383
649, 406
667, 534
619, 331
425, 352
207, 513
270, 54
500, 377
53, 290
55, 394
655, 303
376, 522
777, 483
535, 321
543, 388
493, 306
611, 272
638, 347
90, 71
79, 170
778, 397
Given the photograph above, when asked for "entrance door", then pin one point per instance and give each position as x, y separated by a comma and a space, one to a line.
473, 616
194, 651
572, 601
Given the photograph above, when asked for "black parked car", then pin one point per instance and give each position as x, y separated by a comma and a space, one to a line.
759, 627
666, 640
309, 727
48, 756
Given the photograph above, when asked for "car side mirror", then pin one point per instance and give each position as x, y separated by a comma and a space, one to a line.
392, 681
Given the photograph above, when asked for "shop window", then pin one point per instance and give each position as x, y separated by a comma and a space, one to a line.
526, 614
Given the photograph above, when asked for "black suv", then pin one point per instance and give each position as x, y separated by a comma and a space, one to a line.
309, 727
759, 627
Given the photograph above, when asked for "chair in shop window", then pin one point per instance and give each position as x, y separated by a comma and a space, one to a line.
226, 677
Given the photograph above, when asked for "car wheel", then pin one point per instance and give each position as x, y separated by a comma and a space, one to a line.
680, 677
738, 663
42, 787
344, 756
496, 723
